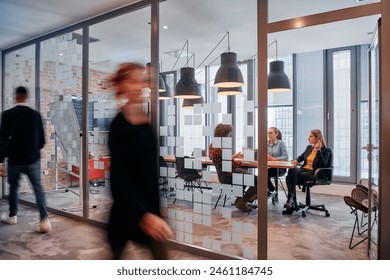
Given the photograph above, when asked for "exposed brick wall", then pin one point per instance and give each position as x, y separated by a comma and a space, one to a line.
52, 89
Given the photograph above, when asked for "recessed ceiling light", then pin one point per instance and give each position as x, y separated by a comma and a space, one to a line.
165, 27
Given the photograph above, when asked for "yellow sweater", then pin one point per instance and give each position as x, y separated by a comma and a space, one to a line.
309, 160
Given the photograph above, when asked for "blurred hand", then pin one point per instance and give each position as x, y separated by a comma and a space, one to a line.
317, 146
155, 227
294, 162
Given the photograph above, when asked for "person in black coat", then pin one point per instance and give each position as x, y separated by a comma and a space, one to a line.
316, 155
21, 140
135, 213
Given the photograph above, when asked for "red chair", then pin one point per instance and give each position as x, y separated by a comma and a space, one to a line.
95, 175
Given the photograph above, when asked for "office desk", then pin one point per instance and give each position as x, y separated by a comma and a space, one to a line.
271, 164
250, 164
172, 159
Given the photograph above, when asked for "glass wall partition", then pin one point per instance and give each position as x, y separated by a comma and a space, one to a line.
314, 107
201, 209
19, 70
107, 49
200, 206
363, 127
60, 70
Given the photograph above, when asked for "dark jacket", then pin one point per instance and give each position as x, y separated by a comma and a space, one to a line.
134, 180
21, 135
321, 160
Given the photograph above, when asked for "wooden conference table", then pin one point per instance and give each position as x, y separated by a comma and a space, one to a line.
250, 164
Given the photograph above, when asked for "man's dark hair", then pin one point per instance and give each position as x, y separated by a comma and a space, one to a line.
21, 91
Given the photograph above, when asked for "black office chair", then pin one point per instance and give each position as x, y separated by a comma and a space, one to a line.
223, 178
204, 153
191, 177
163, 181
358, 201
322, 176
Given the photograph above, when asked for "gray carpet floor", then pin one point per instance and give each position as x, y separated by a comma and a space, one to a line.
289, 237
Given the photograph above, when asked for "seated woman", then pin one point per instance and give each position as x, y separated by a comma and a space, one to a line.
276, 151
316, 155
226, 130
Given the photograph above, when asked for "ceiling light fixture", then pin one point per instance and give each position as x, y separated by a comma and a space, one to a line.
228, 74
277, 78
165, 95
187, 87
189, 103
230, 91
161, 84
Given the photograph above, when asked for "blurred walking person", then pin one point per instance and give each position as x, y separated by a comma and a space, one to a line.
135, 213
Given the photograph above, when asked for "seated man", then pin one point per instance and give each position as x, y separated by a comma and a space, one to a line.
226, 130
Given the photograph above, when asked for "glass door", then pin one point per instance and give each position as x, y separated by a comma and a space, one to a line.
341, 116
372, 146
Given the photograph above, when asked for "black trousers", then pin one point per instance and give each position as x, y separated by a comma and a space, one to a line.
158, 250
297, 176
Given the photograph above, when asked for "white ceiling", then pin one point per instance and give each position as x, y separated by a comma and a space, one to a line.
202, 22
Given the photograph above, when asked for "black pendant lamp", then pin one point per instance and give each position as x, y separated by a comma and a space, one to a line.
161, 84
187, 87
189, 103
165, 95
228, 74
230, 91
277, 78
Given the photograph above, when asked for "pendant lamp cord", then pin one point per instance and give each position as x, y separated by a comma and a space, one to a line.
216, 46
220, 41
188, 58
228, 33
177, 59
276, 53
276, 41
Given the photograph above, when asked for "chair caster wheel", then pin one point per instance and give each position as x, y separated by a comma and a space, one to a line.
327, 214
303, 214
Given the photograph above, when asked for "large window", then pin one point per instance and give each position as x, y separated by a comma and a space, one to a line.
341, 116
342, 112
310, 96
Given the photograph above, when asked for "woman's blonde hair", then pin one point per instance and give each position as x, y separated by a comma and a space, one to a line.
223, 130
318, 134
